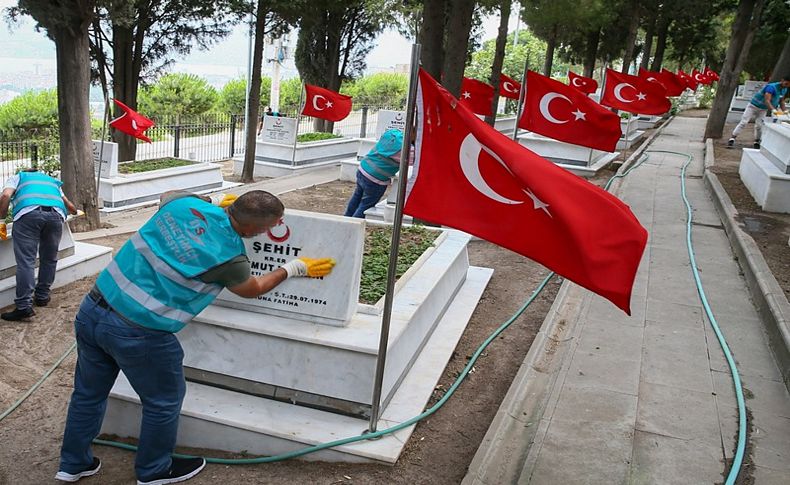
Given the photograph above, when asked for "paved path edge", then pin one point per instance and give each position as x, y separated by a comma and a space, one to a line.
768, 297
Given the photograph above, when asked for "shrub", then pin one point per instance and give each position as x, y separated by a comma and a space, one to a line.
32, 115
315, 136
150, 165
233, 96
179, 96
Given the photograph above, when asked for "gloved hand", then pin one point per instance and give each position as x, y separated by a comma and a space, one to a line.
227, 200
3, 231
79, 213
310, 267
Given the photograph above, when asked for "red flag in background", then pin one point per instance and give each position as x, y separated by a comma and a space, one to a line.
634, 94
509, 87
561, 112
131, 122
674, 85
477, 96
711, 74
586, 85
325, 104
471, 177
700, 77
686, 78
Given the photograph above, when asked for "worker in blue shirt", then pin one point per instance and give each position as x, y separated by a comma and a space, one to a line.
39, 212
770, 99
168, 272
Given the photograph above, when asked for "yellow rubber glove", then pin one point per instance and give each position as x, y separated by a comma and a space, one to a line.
313, 268
227, 200
3, 231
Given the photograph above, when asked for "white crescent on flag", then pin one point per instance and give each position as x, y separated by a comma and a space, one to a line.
577, 84
509, 87
315, 102
618, 92
469, 156
545, 101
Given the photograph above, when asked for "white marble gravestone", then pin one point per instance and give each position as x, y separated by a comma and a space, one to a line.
390, 120
330, 300
766, 172
278, 129
107, 159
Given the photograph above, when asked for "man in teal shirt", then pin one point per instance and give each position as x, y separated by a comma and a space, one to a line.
769, 99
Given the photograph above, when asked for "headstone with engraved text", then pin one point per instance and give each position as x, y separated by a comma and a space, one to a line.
108, 159
278, 129
389, 120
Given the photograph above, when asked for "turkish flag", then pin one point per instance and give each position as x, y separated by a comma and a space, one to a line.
673, 84
131, 122
586, 85
700, 77
634, 94
561, 112
325, 104
508, 87
711, 74
686, 78
469, 176
477, 96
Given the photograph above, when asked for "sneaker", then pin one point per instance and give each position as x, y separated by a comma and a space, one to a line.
180, 470
731, 142
17, 314
757, 144
41, 301
73, 477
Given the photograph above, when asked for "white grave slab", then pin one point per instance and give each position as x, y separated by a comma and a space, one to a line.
775, 145
278, 129
107, 159
766, 172
390, 120
750, 88
331, 300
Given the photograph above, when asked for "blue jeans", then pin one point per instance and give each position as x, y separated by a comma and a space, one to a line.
36, 233
150, 359
366, 195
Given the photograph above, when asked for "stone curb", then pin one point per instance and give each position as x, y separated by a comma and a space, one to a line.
768, 297
502, 454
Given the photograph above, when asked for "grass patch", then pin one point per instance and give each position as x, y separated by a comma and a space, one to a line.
375, 260
316, 136
150, 165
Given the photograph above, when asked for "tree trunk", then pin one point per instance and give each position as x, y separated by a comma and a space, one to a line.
456, 45
591, 52
661, 43
254, 88
551, 43
745, 24
76, 151
782, 67
499, 56
124, 87
651, 28
432, 37
630, 40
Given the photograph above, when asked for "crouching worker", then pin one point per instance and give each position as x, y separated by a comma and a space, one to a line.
167, 272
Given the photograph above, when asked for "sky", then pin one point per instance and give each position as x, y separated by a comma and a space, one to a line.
28, 57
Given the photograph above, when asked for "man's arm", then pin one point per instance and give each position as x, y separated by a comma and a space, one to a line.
767, 98
69, 206
5, 200
258, 285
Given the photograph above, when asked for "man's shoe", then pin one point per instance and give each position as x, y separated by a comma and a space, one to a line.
41, 301
731, 142
180, 470
757, 144
17, 314
73, 477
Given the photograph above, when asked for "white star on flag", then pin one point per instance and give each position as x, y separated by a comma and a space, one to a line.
641, 96
466, 95
537, 203
579, 114
329, 104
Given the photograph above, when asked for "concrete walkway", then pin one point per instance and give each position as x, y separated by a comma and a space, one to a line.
607, 398
130, 220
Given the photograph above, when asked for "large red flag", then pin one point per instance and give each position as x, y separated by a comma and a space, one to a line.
561, 112
509, 87
674, 85
471, 177
131, 122
700, 77
634, 94
325, 104
686, 78
711, 74
586, 85
477, 96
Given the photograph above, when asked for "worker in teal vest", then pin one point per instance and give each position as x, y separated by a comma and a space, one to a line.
39, 212
163, 276
375, 173
769, 100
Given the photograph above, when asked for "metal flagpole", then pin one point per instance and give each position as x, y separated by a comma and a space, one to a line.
521, 95
396, 226
298, 120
